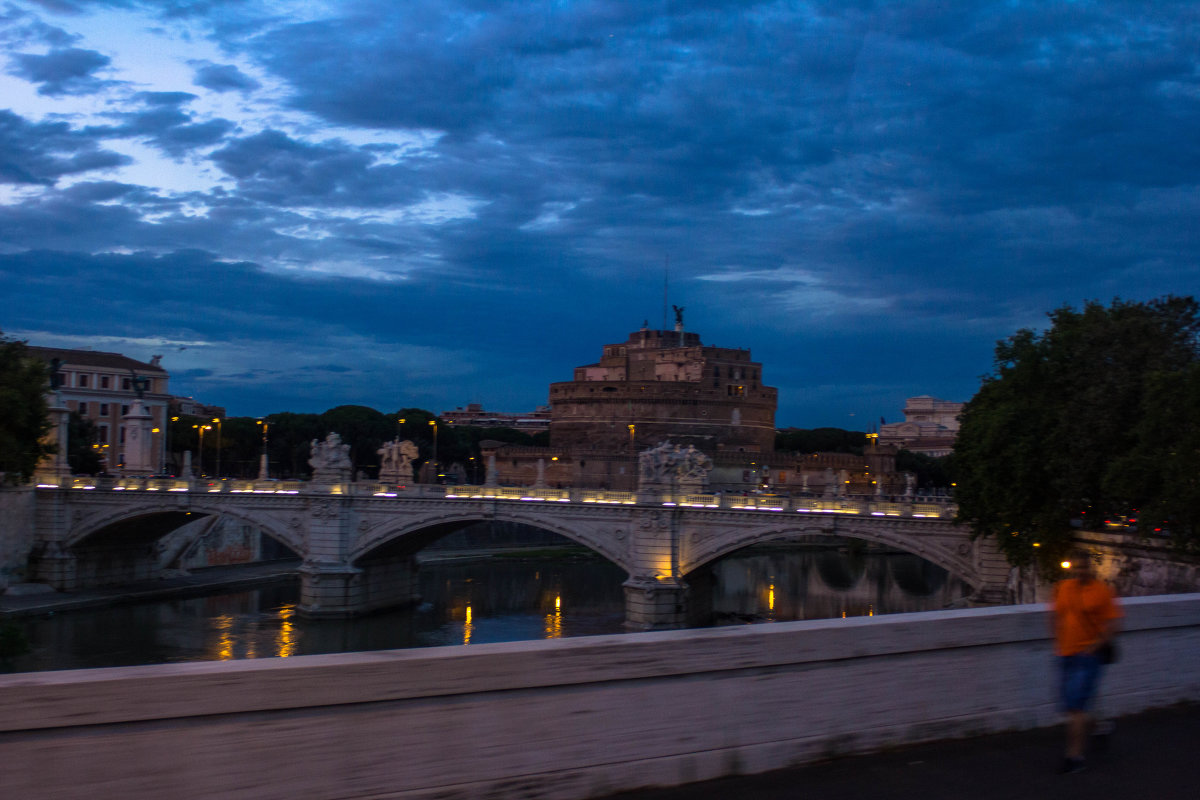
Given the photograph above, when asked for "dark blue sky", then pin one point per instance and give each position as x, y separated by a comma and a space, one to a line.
435, 202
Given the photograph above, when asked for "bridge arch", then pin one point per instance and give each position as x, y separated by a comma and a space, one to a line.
411, 535
157, 522
956, 559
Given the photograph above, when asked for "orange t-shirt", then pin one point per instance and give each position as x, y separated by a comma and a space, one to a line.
1081, 613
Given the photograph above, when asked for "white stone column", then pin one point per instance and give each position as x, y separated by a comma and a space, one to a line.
55, 465
139, 444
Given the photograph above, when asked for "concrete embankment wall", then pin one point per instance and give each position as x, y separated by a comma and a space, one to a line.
16, 533
562, 719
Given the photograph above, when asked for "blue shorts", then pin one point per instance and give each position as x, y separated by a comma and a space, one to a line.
1079, 675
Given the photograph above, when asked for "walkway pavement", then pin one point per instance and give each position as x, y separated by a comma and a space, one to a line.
1153, 756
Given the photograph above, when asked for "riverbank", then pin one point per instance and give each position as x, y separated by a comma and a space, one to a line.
195, 583
26, 600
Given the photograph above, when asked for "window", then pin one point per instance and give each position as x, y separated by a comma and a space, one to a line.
126, 384
122, 434
104, 409
736, 391
82, 381
124, 411
102, 434
83, 409
103, 381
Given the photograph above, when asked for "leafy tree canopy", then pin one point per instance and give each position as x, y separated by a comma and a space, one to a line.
24, 418
931, 471
1091, 420
820, 440
81, 438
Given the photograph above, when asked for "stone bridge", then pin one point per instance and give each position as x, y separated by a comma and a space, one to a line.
359, 541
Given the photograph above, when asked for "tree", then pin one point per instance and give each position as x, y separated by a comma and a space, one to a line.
1161, 474
81, 440
24, 417
820, 440
930, 471
1038, 451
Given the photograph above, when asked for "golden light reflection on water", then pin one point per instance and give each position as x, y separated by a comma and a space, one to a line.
553, 628
287, 641
224, 626
468, 627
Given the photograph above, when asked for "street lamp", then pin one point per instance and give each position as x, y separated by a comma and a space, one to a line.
200, 450
433, 422
167, 445
162, 465
263, 467
218, 421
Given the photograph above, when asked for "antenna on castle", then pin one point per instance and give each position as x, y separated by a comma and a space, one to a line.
666, 272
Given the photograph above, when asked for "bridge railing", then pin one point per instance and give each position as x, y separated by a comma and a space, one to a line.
919, 507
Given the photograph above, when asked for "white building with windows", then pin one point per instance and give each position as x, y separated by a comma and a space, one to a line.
930, 426
100, 387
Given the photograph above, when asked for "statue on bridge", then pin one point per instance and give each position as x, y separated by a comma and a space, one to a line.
395, 461
330, 460
669, 467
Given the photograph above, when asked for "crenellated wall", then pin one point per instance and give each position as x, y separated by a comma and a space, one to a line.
565, 719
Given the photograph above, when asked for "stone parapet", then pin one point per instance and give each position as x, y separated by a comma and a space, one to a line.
566, 719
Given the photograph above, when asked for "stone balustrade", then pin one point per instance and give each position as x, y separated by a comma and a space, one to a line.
932, 508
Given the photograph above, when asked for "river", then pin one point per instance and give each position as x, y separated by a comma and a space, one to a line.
472, 601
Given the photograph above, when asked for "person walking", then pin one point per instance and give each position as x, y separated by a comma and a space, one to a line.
1084, 616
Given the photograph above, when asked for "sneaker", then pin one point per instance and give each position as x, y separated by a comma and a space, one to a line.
1071, 765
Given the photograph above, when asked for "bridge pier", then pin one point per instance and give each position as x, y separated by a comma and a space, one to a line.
331, 591
334, 591
653, 604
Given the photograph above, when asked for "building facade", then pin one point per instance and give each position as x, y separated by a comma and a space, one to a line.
661, 385
102, 387
930, 426
656, 386
536, 421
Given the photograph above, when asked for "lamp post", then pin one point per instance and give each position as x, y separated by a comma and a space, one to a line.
218, 421
264, 466
200, 449
162, 464
433, 422
167, 444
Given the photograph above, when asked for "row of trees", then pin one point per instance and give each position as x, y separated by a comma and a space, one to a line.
286, 438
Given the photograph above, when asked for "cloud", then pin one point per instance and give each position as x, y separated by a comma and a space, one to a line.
165, 124
843, 186
224, 78
40, 153
274, 167
64, 70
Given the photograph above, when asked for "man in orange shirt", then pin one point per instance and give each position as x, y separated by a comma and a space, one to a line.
1083, 617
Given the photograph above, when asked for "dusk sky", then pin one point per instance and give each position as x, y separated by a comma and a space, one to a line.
434, 202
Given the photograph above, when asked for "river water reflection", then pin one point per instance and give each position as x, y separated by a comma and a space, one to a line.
492, 600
